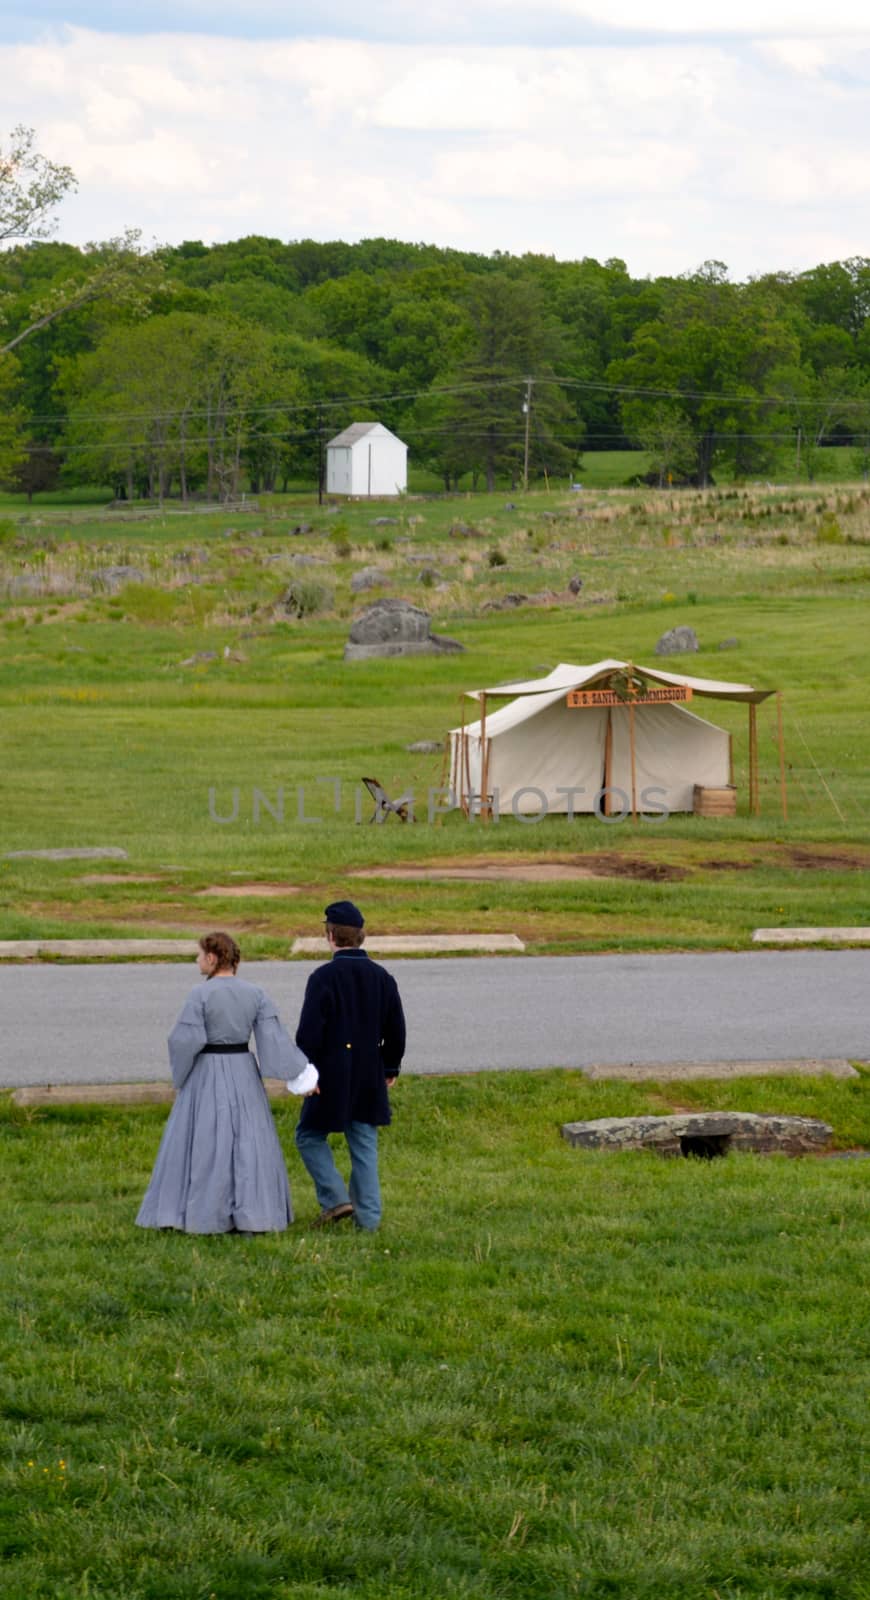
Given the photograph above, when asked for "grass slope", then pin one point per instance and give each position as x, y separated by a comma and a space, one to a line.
122, 711
551, 1374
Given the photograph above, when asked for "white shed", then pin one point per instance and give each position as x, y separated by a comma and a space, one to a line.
366, 459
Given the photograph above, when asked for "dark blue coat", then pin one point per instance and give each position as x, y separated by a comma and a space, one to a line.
353, 1028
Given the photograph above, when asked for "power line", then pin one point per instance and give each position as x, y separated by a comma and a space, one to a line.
337, 402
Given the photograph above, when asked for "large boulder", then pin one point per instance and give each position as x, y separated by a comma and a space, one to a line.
395, 628
677, 641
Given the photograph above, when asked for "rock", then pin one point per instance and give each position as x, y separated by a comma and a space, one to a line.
107, 852
301, 527
425, 747
308, 561
575, 585
510, 506
706, 1133
506, 603
367, 578
201, 655
677, 641
233, 655
429, 576
730, 644
394, 628
114, 578
35, 585
385, 522
255, 533
463, 530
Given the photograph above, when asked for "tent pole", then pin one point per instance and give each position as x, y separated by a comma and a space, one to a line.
484, 764
781, 743
753, 759
633, 766
462, 756
608, 763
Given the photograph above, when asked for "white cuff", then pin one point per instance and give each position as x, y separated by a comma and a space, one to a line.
307, 1080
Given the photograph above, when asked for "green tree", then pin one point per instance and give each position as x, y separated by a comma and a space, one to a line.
479, 418
666, 434
709, 352
31, 188
13, 443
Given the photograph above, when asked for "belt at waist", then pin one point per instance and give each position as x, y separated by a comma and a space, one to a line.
225, 1050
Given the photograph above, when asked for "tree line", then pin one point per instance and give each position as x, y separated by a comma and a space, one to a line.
196, 369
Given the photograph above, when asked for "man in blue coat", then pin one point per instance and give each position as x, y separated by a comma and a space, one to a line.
353, 1028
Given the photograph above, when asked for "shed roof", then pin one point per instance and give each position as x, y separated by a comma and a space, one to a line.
358, 430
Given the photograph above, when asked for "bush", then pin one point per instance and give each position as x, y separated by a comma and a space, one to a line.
496, 557
340, 540
305, 597
829, 530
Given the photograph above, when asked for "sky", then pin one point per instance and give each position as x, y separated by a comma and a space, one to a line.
663, 135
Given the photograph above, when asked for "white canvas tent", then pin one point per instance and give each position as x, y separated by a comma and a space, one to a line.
539, 753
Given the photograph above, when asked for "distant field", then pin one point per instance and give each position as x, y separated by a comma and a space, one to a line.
599, 469
121, 711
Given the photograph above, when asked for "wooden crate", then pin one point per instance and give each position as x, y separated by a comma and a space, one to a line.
710, 802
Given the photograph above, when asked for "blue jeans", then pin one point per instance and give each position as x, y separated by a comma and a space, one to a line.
364, 1190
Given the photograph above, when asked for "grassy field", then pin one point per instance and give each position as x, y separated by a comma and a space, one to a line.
125, 707
551, 1373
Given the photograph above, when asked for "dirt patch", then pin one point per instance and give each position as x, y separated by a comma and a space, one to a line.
829, 859
567, 870
120, 877
249, 891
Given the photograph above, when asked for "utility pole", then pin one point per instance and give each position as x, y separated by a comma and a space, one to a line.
527, 408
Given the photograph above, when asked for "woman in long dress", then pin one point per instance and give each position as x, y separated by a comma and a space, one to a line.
220, 1167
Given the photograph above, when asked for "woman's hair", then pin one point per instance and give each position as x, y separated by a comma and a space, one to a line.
345, 936
222, 945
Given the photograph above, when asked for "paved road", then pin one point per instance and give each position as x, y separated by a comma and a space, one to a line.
106, 1024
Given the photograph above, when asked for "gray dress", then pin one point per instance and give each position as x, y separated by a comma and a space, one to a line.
220, 1165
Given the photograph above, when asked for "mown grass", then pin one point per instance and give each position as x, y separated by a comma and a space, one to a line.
122, 711
551, 1374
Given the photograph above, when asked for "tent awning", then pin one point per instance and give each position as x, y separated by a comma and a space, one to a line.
565, 677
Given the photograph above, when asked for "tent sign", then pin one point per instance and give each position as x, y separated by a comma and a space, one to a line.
680, 693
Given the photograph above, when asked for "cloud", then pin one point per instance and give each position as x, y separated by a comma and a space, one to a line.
526, 171
665, 155
466, 22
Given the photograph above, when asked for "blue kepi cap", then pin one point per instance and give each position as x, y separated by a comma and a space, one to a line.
344, 914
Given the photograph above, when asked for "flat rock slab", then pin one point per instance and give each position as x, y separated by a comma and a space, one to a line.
88, 853
249, 891
115, 1094
403, 944
677, 1071
34, 949
811, 936
706, 1133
